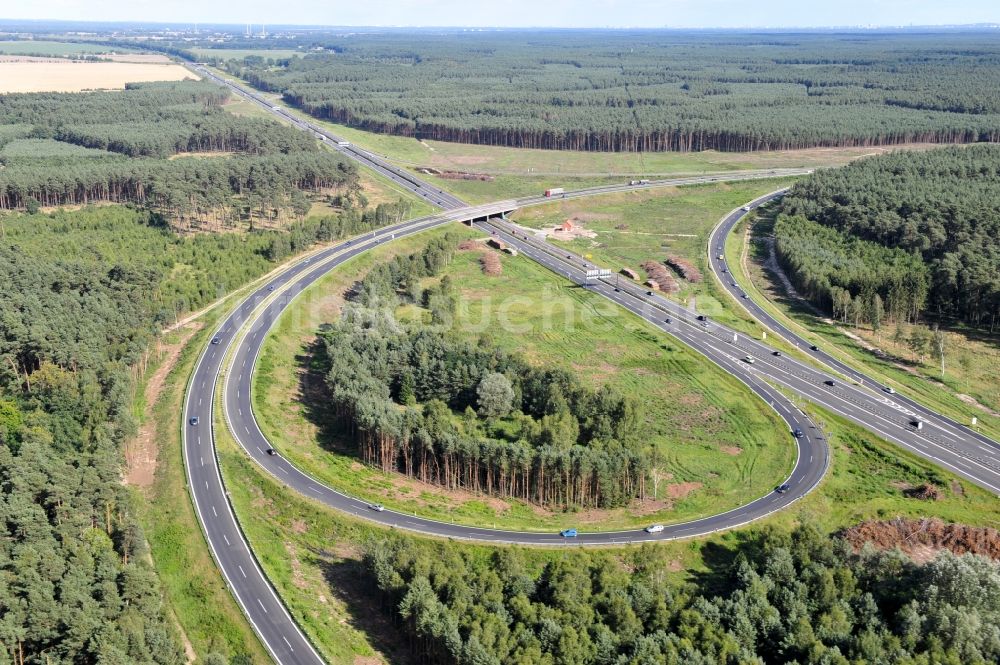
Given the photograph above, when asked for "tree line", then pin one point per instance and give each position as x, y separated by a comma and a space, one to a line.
799, 597
418, 401
941, 206
854, 280
263, 170
644, 91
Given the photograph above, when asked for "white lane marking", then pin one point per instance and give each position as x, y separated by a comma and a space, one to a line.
202, 460
282, 469
227, 540
214, 512
199, 401
288, 643
262, 605
243, 572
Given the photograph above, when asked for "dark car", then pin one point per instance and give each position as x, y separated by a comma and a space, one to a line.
830, 382
702, 317
782, 488
649, 293
617, 289
797, 433
271, 288
272, 451
814, 347
669, 320
194, 421
744, 296
776, 353
569, 256
216, 340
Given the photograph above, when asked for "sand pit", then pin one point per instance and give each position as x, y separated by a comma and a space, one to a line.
79, 76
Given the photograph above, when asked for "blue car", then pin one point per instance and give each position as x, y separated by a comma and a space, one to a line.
568, 533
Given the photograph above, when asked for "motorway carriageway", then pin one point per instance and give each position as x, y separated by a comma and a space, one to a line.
940, 439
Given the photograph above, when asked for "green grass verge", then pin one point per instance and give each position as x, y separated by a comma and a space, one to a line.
312, 553
868, 479
693, 406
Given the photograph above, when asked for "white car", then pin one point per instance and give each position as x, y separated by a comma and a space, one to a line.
889, 390
748, 360
377, 507
654, 528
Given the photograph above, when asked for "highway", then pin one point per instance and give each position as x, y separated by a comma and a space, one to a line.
863, 399
241, 335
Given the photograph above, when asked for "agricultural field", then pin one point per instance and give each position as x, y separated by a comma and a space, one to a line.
80, 76
716, 451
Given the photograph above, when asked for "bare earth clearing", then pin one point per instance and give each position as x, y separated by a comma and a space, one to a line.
922, 539
140, 453
79, 76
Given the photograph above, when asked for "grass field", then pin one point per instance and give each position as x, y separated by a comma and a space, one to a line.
56, 49
79, 76
715, 448
972, 360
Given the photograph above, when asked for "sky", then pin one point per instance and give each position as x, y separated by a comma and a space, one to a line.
522, 13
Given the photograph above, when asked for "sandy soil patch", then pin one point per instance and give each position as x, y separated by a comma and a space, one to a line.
680, 490
731, 450
140, 453
78, 76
